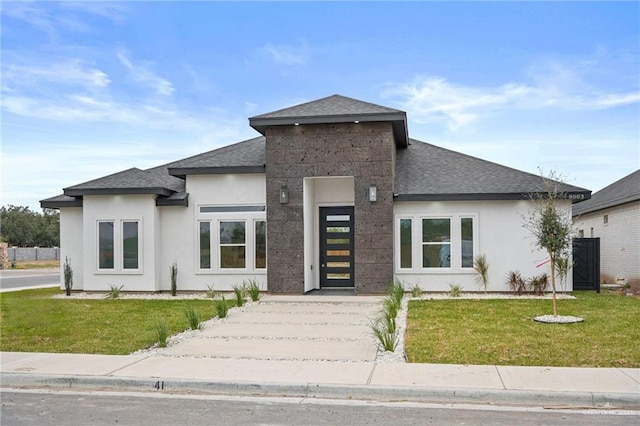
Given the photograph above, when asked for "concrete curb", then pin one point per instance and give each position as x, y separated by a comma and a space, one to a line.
327, 391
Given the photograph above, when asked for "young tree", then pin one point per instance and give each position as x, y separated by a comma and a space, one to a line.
550, 223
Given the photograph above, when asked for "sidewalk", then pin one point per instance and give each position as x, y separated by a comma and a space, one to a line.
537, 386
314, 347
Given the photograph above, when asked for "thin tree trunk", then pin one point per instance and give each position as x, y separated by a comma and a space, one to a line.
553, 283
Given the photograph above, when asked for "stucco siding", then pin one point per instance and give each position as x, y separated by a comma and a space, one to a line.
118, 208
619, 240
499, 234
71, 245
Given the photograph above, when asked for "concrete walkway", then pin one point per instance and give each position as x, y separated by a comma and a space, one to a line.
318, 347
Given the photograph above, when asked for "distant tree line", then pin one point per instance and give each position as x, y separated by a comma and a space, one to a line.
21, 227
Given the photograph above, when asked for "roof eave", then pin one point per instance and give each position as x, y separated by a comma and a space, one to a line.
173, 202
574, 196
117, 191
398, 120
47, 204
181, 172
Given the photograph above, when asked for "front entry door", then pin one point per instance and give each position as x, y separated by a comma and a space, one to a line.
336, 247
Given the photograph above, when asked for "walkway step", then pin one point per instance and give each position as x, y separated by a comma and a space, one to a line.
295, 331
276, 349
249, 317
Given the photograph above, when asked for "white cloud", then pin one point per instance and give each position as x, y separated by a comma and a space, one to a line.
68, 72
434, 99
287, 55
140, 73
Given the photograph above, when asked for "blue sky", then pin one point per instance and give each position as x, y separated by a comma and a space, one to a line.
93, 88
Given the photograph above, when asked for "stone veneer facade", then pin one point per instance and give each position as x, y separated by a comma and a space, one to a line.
365, 151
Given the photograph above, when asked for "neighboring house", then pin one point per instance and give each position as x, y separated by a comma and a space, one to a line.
613, 215
334, 194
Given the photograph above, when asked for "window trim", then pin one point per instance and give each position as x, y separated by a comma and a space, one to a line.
215, 214
417, 243
118, 248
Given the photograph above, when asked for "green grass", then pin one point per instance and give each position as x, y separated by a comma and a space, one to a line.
503, 332
32, 321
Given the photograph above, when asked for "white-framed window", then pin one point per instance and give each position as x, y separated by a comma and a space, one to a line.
231, 238
439, 244
119, 247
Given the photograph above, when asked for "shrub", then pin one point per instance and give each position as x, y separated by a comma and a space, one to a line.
211, 292
390, 306
416, 291
162, 333
174, 277
517, 284
68, 276
539, 284
253, 289
455, 290
396, 292
193, 318
239, 291
388, 338
221, 307
114, 292
481, 266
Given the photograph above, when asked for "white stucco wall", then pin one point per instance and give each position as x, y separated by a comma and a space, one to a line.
498, 233
71, 245
619, 240
179, 233
118, 208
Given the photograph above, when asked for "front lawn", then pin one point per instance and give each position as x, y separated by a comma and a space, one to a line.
502, 332
32, 321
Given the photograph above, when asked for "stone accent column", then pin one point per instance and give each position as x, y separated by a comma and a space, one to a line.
4, 256
365, 151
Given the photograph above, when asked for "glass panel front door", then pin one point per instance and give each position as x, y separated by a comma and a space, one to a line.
336, 247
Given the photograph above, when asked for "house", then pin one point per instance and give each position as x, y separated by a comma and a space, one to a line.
332, 194
613, 215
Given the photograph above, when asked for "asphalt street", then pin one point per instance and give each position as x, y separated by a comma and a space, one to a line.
32, 407
11, 279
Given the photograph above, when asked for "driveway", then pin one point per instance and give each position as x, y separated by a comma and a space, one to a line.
322, 328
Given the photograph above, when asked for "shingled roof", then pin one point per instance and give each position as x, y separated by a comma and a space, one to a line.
334, 109
428, 172
243, 157
625, 190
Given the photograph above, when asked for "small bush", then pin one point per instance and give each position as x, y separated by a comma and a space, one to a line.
388, 338
481, 266
162, 333
68, 276
517, 284
114, 292
211, 292
174, 278
416, 291
455, 290
539, 284
193, 318
253, 289
221, 307
396, 292
239, 291
390, 306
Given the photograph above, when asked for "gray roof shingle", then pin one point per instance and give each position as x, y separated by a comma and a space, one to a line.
428, 172
625, 190
243, 157
131, 181
334, 109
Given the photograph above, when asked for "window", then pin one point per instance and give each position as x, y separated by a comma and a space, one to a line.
261, 244
605, 219
405, 243
581, 233
119, 246
105, 245
436, 243
205, 245
232, 245
466, 231
130, 245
